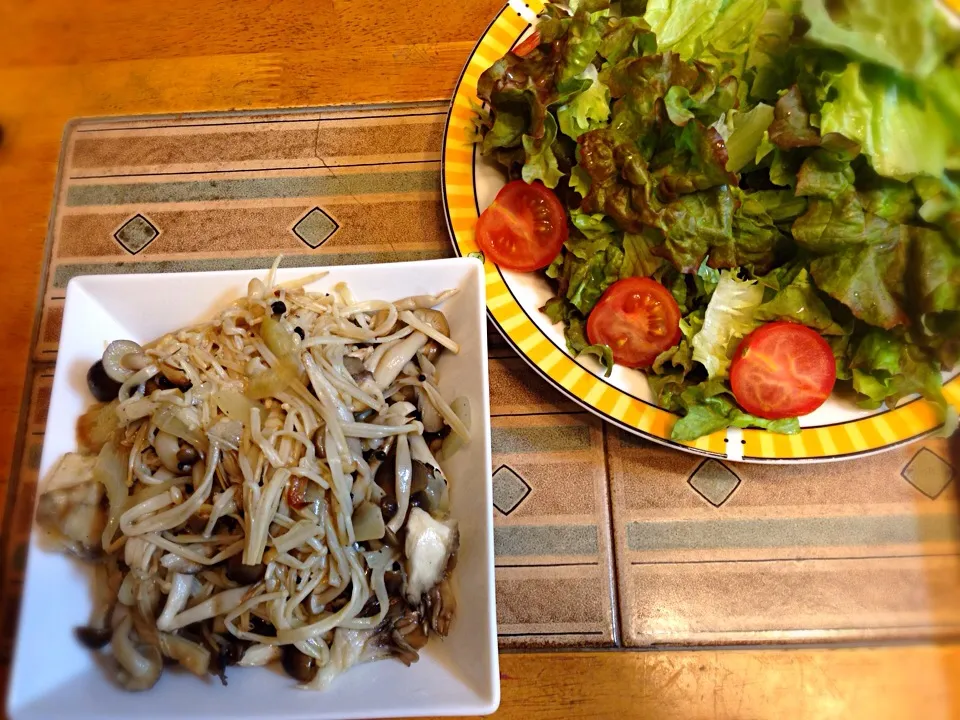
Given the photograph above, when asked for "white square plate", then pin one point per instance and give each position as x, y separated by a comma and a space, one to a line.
54, 677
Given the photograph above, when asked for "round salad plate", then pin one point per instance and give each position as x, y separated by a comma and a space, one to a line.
837, 430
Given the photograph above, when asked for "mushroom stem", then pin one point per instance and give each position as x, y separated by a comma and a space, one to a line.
192, 656
257, 655
403, 482
137, 670
219, 604
176, 600
429, 329
399, 355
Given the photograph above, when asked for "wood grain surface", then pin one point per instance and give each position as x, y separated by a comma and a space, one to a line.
61, 59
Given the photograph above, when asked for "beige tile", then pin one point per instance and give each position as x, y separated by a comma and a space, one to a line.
712, 553
781, 601
553, 607
551, 531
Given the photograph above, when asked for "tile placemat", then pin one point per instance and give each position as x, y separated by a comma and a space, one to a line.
602, 539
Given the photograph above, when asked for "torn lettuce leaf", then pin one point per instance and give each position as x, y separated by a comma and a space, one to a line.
697, 29
680, 26
510, 125
588, 267
580, 45
936, 268
730, 227
868, 279
899, 125
799, 302
749, 130
729, 317
638, 257
902, 36
588, 110
709, 407
575, 332
791, 127
887, 368
541, 161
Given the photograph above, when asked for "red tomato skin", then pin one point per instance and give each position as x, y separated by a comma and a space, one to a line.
527, 45
800, 393
607, 315
501, 218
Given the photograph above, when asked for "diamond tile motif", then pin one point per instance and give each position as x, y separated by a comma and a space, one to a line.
509, 489
714, 482
928, 473
315, 228
136, 233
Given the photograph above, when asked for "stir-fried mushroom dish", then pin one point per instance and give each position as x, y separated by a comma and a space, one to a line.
267, 487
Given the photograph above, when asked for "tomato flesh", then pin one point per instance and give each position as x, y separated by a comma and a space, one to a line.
524, 228
782, 370
638, 318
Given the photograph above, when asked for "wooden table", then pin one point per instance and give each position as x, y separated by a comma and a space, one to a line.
61, 59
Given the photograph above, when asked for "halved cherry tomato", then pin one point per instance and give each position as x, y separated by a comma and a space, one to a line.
638, 318
782, 370
524, 228
528, 44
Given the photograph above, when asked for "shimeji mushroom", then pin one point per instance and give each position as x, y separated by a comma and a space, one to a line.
393, 361
138, 665
193, 656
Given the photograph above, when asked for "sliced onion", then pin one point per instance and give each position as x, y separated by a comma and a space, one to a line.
437, 492
454, 441
274, 381
296, 536
182, 565
277, 338
179, 422
368, 522
134, 409
96, 426
227, 432
403, 474
234, 405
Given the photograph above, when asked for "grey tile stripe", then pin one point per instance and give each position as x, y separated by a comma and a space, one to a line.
64, 273
247, 188
526, 540
791, 532
557, 438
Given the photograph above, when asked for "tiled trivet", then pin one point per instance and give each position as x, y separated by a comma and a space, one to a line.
706, 553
